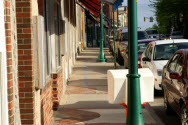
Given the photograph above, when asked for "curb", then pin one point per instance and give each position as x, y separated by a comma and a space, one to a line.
153, 114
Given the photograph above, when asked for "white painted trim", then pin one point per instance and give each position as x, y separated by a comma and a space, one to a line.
41, 49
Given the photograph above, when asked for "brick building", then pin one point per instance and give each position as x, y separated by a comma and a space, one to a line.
39, 45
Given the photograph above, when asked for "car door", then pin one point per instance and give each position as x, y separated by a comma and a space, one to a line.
149, 53
178, 84
170, 88
143, 63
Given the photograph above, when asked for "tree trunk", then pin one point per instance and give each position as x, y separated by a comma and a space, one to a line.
185, 30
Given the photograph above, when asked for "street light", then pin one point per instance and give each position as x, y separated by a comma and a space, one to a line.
101, 57
134, 114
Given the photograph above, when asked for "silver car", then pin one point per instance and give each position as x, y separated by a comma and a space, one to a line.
176, 35
142, 35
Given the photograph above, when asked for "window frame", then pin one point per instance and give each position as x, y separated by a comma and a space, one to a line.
181, 55
173, 58
150, 47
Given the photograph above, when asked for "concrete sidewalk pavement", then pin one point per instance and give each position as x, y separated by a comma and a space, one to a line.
85, 101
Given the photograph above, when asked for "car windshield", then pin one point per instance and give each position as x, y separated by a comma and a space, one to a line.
176, 33
141, 35
125, 36
165, 51
150, 32
142, 47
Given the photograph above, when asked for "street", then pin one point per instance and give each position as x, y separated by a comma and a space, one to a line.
158, 108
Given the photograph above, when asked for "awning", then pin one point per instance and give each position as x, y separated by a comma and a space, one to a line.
94, 6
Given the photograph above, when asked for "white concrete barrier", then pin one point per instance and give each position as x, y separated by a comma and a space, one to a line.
117, 86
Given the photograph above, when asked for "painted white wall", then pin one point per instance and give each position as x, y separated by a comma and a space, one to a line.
3, 71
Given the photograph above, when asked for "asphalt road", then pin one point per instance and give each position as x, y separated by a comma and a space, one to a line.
158, 108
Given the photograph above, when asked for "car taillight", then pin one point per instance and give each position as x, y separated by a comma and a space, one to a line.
139, 66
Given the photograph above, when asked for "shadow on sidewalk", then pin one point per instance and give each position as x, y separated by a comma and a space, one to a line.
73, 116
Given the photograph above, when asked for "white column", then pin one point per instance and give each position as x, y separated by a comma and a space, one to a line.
3, 71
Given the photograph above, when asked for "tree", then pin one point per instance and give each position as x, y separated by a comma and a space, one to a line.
169, 14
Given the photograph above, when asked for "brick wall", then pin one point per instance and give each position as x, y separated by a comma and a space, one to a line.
47, 104
25, 59
107, 11
52, 92
57, 88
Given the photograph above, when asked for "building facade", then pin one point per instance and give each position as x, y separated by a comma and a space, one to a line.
40, 42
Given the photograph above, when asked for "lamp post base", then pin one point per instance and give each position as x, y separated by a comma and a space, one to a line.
134, 115
101, 58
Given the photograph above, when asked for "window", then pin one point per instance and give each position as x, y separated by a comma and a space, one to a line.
44, 57
57, 33
124, 36
142, 47
179, 65
173, 62
142, 35
149, 51
165, 51
47, 59
150, 32
176, 33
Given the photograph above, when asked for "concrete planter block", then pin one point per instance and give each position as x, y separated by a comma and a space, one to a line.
117, 86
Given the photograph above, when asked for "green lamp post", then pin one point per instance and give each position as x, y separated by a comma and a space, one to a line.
101, 57
114, 40
134, 111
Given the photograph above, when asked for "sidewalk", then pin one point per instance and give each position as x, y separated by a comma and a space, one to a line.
86, 98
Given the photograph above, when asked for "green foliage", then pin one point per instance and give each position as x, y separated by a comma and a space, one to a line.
155, 26
167, 11
149, 28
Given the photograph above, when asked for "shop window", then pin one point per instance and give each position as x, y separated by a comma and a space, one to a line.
57, 34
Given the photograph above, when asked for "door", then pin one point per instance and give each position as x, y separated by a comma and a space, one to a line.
177, 84
171, 84
148, 53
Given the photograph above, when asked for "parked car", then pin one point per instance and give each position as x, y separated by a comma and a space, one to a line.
157, 54
176, 35
120, 49
153, 33
117, 38
142, 44
111, 38
175, 84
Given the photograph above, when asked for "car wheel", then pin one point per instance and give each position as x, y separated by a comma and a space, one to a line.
120, 58
167, 107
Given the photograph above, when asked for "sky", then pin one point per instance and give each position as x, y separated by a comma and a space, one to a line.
144, 11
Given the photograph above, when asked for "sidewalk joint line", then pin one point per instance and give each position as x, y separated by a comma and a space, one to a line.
85, 77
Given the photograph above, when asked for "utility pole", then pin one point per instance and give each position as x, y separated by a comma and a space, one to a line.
134, 114
114, 40
101, 57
